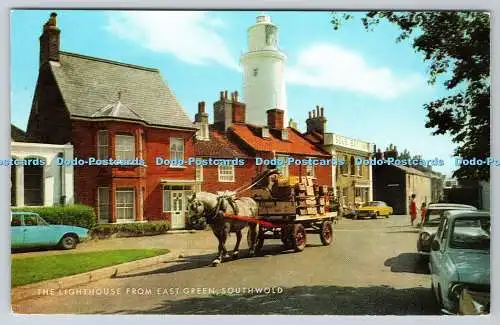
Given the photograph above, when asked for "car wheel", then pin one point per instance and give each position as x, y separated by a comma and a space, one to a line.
439, 297
68, 242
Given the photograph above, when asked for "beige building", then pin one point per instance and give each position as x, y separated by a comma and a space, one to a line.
352, 180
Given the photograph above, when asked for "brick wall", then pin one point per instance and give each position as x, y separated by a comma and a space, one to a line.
155, 143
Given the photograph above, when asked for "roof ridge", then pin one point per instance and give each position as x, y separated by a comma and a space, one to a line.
93, 58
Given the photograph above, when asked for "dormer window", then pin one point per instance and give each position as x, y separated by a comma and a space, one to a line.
284, 134
265, 132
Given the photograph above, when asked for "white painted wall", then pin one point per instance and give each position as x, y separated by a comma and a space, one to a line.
51, 172
265, 89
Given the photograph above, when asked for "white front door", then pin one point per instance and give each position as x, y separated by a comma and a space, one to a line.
178, 210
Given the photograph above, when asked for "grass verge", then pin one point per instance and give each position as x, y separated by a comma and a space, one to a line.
40, 268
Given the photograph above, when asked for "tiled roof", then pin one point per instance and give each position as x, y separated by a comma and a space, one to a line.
218, 146
314, 137
296, 143
89, 85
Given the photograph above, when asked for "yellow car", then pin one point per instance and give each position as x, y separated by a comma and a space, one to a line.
373, 209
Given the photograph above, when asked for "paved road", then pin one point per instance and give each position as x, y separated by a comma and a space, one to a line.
371, 269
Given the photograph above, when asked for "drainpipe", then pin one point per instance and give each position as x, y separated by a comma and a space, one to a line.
62, 183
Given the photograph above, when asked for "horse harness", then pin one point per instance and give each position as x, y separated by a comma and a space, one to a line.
211, 214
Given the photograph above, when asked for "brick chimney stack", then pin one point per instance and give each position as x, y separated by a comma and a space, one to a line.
201, 121
275, 118
201, 116
228, 110
238, 109
49, 41
317, 120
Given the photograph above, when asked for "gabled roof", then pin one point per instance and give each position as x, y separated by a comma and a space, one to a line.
18, 135
218, 146
90, 85
296, 143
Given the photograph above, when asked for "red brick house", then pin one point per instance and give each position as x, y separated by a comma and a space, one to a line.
109, 109
230, 137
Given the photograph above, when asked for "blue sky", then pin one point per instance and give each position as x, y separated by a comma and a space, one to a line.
372, 88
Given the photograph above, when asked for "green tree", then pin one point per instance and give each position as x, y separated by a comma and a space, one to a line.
457, 47
405, 154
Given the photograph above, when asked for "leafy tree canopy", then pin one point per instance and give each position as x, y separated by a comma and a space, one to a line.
457, 47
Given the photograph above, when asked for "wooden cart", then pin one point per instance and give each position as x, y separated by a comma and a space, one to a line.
293, 209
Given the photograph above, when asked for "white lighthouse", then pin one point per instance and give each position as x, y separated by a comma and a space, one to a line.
263, 72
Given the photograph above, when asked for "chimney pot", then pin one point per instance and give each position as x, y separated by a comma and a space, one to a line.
49, 41
221, 95
317, 110
322, 112
314, 113
235, 95
310, 115
225, 94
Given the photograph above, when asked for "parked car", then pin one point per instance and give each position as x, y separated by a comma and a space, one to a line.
431, 222
460, 259
28, 229
373, 209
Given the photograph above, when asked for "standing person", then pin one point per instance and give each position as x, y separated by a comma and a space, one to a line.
423, 210
413, 209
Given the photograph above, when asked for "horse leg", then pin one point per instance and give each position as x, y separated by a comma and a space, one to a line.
252, 228
218, 259
237, 246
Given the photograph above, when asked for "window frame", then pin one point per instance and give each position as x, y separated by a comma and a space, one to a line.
220, 175
125, 189
117, 146
99, 205
199, 173
310, 168
284, 168
173, 155
101, 145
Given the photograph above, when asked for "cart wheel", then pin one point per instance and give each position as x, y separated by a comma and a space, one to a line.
260, 241
326, 233
286, 236
299, 237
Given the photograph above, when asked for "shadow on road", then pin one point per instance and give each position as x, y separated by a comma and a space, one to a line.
307, 300
407, 263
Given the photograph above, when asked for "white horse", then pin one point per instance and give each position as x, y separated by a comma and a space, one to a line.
212, 207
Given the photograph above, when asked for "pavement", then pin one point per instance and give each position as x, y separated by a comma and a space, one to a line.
370, 269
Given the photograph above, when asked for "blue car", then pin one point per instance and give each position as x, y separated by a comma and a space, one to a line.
460, 260
28, 229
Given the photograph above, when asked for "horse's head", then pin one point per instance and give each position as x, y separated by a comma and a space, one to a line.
195, 207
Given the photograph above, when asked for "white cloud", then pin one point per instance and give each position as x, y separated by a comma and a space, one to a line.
333, 67
191, 36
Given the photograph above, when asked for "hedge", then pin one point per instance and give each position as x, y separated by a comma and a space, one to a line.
73, 215
130, 229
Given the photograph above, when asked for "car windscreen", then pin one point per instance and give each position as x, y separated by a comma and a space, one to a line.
471, 233
433, 217
372, 204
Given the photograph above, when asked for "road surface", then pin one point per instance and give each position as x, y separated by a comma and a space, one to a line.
370, 269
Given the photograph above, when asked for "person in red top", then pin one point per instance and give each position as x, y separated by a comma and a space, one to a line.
423, 209
413, 209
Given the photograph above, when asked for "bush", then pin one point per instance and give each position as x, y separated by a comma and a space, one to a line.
130, 229
72, 215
